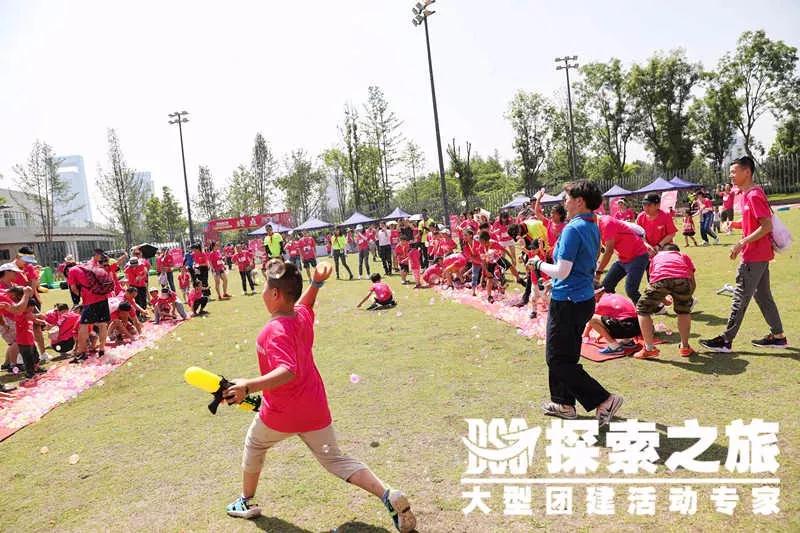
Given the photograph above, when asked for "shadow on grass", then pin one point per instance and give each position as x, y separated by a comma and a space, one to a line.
711, 320
277, 525
710, 363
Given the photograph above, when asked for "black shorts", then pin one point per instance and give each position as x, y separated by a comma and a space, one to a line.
625, 328
96, 313
308, 263
404, 268
726, 215
688, 233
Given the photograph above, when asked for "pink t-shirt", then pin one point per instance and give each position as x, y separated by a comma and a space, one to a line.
553, 231
627, 244
727, 200
455, 260
382, 291
300, 405
670, 265
615, 306
755, 206
414, 259
626, 214
656, 228
216, 261
67, 323
136, 275
242, 260
200, 258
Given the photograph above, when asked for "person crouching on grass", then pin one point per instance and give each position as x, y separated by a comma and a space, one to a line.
383, 294
294, 399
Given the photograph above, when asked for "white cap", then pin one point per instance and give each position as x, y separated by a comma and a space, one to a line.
5, 267
359, 227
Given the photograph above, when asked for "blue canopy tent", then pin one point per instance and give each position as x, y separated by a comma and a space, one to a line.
516, 202
683, 184
313, 224
357, 218
616, 190
277, 228
397, 213
658, 185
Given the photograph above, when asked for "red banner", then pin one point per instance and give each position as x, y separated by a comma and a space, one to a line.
250, 221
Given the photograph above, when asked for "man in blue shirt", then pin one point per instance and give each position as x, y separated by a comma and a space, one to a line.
571, 307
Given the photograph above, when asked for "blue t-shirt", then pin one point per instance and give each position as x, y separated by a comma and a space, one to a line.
188, 260
578, 243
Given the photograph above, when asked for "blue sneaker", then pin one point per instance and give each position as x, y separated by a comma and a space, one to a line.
400, 510
608, 350
242, 508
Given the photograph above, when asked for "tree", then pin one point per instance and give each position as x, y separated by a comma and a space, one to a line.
263, 168
787, 137
43, 189
533, 135
661, 92
604, 92
382, 127
335, 162
123, 191
713, 120
461, 169
413, 159
763, 74
175, 224
208, 202
558, 162
238, 196
353, 150
154, 220
303, 187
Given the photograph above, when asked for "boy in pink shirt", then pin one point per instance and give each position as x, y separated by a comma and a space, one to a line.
294, 399
383, 294
415, 264
659, 228
671, 274
614, 320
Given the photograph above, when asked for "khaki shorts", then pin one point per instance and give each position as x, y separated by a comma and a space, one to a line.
321, 442
8, 330
681, 290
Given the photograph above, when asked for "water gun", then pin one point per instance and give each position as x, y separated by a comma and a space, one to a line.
217, 385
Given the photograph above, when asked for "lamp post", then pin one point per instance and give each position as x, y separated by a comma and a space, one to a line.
421, 14
566, 66
179, 117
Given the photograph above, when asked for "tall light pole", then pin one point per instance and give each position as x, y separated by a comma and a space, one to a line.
566, 66
421, 15
179, 117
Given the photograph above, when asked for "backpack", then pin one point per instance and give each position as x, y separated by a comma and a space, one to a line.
99, 280
781, 236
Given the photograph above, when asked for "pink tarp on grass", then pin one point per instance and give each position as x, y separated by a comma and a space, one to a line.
64, 381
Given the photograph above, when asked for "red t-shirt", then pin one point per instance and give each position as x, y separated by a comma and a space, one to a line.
382, 291
216, 261
458, 261
167, 298
21, 279
500, 233
446, 246
31, 272
472, 251
627, 244
491, 252
371, 234
656, 228
136, 275
308, 248
292, 248
414, 259
670, 265
615, 306
394, 237
432, 274
362, 241
164, 263
402, 252
727, 200
242, 260
200, 258
78, 278
194, 295
67, 323
553, 231
300, 405
626, 214
6, 299
755, 206
183, 280
24, 328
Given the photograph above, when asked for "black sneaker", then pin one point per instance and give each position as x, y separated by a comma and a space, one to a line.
770, 341
717, 344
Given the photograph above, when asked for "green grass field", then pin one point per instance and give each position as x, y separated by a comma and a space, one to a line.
153, 459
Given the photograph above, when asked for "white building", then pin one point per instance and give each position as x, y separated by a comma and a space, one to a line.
78, 211
147, 183
735, 150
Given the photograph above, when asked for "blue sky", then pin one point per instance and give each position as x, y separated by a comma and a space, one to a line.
72, 69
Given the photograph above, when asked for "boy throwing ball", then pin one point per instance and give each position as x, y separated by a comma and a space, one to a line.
294, 401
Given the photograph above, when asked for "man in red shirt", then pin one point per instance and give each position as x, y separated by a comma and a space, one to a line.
659, 228
137, 275
95, 304
752, 279
308, 252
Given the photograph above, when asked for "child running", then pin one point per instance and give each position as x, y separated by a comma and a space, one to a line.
688, 227
294, 399
671, 273
383, 294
